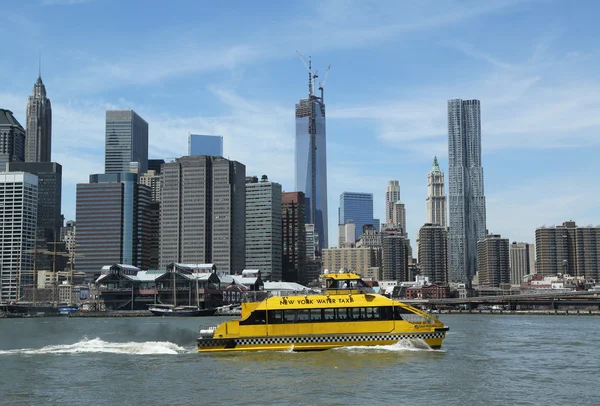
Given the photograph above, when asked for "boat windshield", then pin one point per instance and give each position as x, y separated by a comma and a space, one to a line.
349, 284
255, 296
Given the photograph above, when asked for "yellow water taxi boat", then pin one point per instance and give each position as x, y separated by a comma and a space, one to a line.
347, 313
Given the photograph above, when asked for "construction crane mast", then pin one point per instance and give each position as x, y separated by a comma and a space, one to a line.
311, 76
322, 84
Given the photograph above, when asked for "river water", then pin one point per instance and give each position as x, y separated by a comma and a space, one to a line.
486, 360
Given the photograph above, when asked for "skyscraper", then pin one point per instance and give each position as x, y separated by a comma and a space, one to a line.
18, 194
392, 195
49, 219
493, 258
467, 200
358, 208
433, 252
346, 235
311, 159
293, 236
436, 197
12, 139
203, 213
49, 176
522, 261
395, 254
38, 141
568, 249
126, 141
112, 223
211, 145
263, 227
399, 217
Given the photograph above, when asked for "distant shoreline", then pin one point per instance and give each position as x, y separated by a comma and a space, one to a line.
524, 312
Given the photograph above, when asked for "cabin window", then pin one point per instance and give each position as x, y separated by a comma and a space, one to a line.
329, 314
303, 316
390, 313
275, 316
371, 313
316, 315
289, 316
256, 317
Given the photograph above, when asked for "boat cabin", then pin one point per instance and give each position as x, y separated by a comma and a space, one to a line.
345, 283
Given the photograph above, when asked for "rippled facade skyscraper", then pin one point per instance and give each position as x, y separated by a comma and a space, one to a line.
466, 198
311, 161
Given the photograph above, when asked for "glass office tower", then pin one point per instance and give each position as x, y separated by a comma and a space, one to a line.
126, 141
211, 145
357, 207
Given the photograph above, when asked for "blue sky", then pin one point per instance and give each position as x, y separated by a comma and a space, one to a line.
230, 68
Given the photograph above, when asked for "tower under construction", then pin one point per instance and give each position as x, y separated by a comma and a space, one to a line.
311, 155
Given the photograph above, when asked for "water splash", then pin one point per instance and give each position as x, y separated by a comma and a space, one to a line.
415, 344
96, 345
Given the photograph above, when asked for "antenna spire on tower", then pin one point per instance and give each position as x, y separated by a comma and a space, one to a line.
40, 64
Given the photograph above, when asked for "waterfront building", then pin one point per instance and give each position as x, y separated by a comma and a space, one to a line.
395, 254
358, 208
113, 223
311, 160
211, 145
347, 235
293, 237
264, 228
568, 249
38, 139
313, 250
493, 261
522, 261
126, 141
203, 213
358, 260
18, 216
433, 252
392, 195
12, 139
466, 196
436, 197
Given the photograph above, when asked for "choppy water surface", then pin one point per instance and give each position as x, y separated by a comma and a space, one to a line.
486, 360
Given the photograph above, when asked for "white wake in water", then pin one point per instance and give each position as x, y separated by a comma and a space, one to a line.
97, 345
400, 346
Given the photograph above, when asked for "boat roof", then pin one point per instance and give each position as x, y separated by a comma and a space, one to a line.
287, 286
341, 276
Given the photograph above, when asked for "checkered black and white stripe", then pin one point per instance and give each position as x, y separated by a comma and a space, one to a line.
317, 339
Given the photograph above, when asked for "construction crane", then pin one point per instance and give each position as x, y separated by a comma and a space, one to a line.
311, 76
322, 84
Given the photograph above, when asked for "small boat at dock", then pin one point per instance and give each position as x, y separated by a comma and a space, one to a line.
180, 311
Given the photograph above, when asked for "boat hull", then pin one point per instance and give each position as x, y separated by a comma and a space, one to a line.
432, 339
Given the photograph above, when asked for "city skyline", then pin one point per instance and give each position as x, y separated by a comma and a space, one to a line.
398, 114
